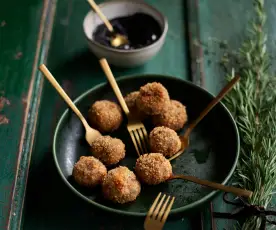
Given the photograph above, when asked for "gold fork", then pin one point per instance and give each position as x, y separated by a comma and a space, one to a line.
158, 213
135, 127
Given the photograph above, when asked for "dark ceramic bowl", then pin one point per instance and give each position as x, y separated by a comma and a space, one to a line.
122, 8
212, 154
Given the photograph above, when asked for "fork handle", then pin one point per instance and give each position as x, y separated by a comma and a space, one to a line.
114, 85
231, 189
96, 8
211, 105
62, 93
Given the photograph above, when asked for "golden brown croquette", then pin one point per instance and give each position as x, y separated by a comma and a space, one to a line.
153, 168
108, 150
89, 171
130, 100
153, 98
121, 185
164, 140
173, 117
106, 116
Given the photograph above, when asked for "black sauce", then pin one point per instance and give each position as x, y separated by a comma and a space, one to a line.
141, 29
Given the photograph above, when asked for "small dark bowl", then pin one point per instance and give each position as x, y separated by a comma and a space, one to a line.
120, 8
212, 154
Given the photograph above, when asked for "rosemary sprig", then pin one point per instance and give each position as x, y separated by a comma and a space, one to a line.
253, 104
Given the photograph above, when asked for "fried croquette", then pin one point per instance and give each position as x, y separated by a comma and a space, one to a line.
108, 150
173, 117
153, 98
89, 171
164, 140
106, 116
121, 185
153, 168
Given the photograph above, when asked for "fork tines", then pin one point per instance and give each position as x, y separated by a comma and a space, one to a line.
139, 137
159, 210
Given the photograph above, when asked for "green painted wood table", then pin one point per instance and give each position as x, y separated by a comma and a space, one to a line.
34, 32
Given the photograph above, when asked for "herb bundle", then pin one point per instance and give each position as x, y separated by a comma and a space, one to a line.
253, 104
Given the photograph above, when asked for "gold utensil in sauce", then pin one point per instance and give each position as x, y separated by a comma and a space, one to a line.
116, 39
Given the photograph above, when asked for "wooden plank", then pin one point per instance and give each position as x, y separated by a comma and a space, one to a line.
19, 26
195, 51
33, 102
201, 220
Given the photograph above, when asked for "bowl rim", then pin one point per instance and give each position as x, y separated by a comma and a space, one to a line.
191, 206
160, 39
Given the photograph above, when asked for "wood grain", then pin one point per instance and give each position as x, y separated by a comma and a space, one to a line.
18, 35
31, 103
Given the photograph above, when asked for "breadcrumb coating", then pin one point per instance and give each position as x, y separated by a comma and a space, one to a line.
153, 98
153, 168
89, 171
108, 150
173, 117
164, 140
130, 100
105, 115
121, 185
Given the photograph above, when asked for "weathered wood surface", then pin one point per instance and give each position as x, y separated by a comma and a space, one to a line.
25, 30
19, 39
